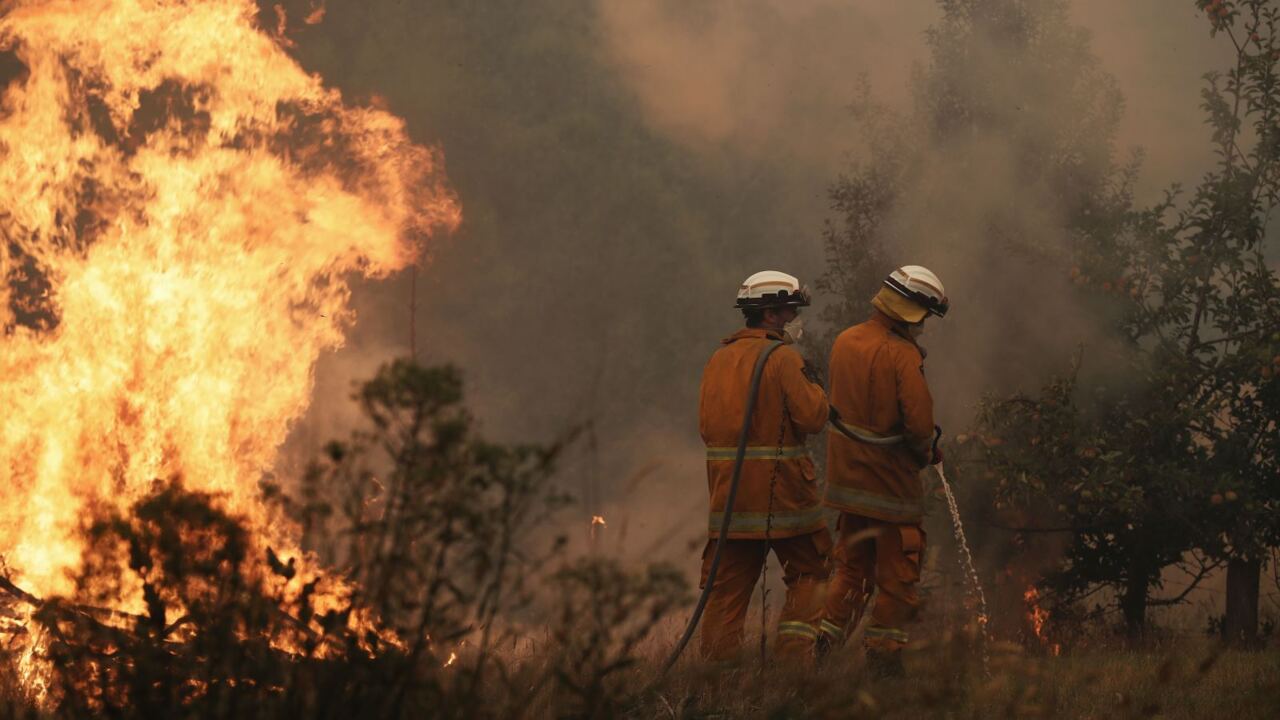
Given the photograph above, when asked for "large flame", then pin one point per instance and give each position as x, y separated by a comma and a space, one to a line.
181, 204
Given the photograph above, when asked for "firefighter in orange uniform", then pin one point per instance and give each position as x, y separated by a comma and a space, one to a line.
882, 435
777, 506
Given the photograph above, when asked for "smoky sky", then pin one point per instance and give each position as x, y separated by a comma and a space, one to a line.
622, 165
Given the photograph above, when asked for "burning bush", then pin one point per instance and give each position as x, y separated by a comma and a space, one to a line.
215, 632
423, 524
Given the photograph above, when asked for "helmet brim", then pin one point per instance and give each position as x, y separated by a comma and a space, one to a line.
781, 299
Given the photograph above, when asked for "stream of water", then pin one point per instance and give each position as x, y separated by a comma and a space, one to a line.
966, 561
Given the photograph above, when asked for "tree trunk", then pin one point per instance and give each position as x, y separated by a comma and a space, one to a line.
1134, 604
1240, 626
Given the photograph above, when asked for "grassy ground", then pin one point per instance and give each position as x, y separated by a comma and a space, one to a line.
1188, 678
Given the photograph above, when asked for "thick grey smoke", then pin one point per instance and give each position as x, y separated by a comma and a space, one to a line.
771, 76
622, 165
766, 78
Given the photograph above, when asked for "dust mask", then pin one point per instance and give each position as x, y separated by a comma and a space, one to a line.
794, 330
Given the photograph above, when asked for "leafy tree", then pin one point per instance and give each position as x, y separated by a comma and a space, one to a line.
1176, 463
1230, 343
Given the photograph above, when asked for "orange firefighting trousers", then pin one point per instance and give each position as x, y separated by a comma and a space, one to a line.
804, 570
873, 554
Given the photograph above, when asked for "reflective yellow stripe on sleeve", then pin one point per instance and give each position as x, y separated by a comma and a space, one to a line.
758, 452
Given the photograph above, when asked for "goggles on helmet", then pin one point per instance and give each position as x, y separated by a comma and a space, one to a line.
933, 305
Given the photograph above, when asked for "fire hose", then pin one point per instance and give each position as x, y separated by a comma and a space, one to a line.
738, 459
853, 432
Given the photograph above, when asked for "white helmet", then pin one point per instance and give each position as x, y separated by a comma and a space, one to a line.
772, 289
920, 286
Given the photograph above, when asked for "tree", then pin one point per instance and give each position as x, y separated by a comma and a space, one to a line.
1237, 298
1176, 464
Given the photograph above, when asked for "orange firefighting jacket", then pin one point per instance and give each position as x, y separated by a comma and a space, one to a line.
878, 386
788, 408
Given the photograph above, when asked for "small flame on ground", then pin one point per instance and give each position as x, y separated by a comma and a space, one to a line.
597, 524
1037, 617
453, 657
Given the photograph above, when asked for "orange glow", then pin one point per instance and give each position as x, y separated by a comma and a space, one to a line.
189, 204
598, 520
453, 657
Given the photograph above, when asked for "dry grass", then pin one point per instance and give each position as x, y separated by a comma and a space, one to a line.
1187, 678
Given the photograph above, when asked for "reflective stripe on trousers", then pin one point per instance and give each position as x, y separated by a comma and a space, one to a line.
887, 633
758, 452
797, 629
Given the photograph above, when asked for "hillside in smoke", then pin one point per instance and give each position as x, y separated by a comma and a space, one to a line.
624, 165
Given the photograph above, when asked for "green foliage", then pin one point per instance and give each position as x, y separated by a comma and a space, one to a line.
438, 511
1107, 471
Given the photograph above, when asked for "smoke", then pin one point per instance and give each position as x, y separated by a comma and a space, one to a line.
1158, 52
775, 77
763, 76
625, 164
770, 78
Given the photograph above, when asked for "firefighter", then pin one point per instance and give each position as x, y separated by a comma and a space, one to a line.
777, 506
882, 436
